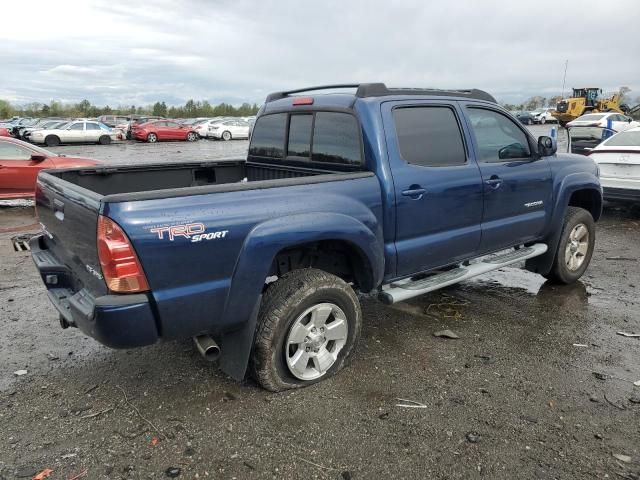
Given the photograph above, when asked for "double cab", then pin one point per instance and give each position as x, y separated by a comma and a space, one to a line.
345, 189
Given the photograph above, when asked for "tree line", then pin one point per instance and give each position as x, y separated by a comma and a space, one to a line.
85, 109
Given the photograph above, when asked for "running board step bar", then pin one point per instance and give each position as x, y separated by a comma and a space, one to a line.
408, 288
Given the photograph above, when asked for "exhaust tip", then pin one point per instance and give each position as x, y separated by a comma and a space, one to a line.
207, 347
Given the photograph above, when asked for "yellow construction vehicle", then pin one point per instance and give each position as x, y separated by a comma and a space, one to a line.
586, 100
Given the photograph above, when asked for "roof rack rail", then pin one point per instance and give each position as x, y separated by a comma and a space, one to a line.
365, 90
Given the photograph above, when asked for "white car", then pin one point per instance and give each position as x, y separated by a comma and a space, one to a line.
203, 127
619, 160
543, 115
618, 121
230, 129
77, 132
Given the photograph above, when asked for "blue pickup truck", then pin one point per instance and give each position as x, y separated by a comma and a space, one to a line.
345, 189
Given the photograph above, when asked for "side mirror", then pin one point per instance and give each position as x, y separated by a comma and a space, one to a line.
37, 157
546, 146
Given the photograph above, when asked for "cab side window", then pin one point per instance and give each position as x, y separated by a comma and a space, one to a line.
429, 136
498, 138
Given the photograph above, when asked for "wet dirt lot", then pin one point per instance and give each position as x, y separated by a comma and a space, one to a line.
538, 386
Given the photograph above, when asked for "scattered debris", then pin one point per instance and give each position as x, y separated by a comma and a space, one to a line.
637, 384
383, 416
173, 472
409, 403
446, 334
316, 465
46, 473
346, 475
473, 437
80, 475
622, 458
52, 357
92, 415
600, 376
126, 400
154, 441
69, 455
626, 334
248, 465
583, 345
630, 259
91, 388
19, 373
594, 399
635, 400
619, 407
598, 436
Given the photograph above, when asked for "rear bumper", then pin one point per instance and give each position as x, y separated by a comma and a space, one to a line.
118, 321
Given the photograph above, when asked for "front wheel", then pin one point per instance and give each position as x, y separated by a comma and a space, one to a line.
575, 248
52, 141
104, 140
192, 137
543, 121
308, 326
226, 136
152, 138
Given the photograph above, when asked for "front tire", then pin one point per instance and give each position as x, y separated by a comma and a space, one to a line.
575, 249
52, 141
308, 326
152, 138
226, 136
192, 137
104, 140
543, 121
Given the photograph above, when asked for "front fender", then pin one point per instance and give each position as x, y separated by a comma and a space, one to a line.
570, 183
252, 268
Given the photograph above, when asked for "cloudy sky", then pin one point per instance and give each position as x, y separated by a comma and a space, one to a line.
137, 52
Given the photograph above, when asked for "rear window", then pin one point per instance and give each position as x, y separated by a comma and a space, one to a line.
313, 137
624, 139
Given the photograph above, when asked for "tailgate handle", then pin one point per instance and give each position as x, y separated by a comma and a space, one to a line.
58, 209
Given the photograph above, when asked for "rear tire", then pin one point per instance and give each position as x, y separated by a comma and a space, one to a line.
104, 140
543, 121
299, 315
192, 137
226, 136
575, 248
152, 138
52, 141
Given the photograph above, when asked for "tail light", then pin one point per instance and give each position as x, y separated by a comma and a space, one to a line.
120, 265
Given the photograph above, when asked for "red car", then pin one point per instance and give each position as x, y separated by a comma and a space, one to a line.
20, 163
4, 132
158, 130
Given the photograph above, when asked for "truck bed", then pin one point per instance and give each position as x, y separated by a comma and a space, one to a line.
143, 182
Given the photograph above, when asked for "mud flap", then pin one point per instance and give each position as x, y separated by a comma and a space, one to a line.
236, 346
543, 263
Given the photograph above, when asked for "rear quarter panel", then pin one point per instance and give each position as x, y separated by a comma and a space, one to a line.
211, 285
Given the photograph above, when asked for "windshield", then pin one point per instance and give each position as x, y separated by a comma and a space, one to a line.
590, 117
624, 139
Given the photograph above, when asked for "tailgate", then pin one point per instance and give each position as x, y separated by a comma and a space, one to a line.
69, 215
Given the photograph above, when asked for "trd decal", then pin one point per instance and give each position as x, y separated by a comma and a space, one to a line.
193, 231
537, 203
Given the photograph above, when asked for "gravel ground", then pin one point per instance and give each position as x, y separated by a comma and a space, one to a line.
538, 386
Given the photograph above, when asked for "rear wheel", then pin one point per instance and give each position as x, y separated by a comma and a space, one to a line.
192, 137
308, 326
226, 135
543, 121
104, 140
575, 248
52, 141
152, 138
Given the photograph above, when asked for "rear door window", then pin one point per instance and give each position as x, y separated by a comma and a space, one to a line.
429, 136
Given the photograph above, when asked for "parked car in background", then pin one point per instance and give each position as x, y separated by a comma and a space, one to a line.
543, 115
113, 120
203, 127
230, 129
163, 130
618, 121
49, 124
583, 139
4, 132
20, 163
526, 118
76, 132
127, 127
619, 160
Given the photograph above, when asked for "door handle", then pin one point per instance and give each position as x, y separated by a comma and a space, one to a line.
415, 192
494, 182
